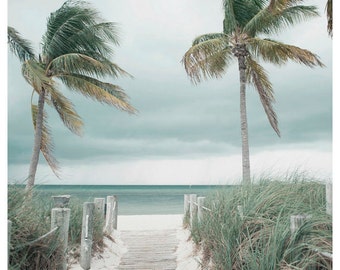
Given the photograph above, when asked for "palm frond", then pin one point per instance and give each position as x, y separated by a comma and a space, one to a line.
66, 110
21, 47
47, 145
207, 37
103, 92
239, 12
34, 73
77, 27
230, 22
207, 59
85, 65
277, 17
96, 39
257, 76
279, 53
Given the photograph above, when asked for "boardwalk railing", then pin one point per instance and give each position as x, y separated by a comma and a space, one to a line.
60, 220
194, 211
194, 206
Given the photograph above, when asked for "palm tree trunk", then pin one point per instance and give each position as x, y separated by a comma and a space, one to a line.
37, 141
244, 124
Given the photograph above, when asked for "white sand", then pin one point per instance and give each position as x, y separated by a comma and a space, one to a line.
149, 222
110, 258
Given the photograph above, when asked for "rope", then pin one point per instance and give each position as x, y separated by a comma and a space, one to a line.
203, 207
38, 239
325, 254
207, 209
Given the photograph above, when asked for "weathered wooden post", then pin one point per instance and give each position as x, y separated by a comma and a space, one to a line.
200, 212
115, 212
296, 221
61, 201
9, 227
99, 206
186, 204
240, 211
193, 208
60, 217
86, 235
109, 215
329, 197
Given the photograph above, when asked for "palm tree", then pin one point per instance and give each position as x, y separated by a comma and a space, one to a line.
76, 49
245, 24
329, 12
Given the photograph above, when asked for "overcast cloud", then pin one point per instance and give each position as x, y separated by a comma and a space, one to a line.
183, 133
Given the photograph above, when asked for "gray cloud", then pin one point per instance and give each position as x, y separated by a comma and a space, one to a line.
176, 118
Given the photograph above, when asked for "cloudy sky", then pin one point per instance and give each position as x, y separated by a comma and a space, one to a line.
183, 133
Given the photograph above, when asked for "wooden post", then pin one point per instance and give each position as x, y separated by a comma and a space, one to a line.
109, 215
186, 204
200, 212
61, 201
99, 206
60, 217
115, 212
296, 222
9, 227
240, 211
329, 197
193, 208
86, 235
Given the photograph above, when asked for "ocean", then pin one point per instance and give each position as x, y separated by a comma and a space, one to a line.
132, 199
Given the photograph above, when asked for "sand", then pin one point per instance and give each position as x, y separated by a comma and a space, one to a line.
110, 258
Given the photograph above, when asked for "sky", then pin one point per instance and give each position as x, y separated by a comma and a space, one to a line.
183, 133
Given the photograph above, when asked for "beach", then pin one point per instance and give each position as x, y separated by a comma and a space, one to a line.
187, 259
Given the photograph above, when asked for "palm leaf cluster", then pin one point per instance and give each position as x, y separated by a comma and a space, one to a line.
76, 50
245, 23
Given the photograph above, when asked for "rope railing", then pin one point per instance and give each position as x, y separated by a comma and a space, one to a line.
36, 240
60, 218
325, 254
203, 207
194, 205
43, 236
206, 208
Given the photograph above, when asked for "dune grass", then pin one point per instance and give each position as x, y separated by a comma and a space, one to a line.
32, 219
259, 236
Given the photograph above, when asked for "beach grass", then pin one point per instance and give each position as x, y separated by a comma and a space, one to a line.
249, 226
31, 219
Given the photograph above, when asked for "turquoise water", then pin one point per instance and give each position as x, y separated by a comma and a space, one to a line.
132, 200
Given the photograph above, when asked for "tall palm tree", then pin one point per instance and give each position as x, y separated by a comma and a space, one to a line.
244, 27
76, 49
329, 12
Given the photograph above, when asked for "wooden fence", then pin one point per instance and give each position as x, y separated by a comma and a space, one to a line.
60, 219
194, 210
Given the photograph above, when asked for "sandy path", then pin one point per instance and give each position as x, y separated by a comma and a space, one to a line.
181, 250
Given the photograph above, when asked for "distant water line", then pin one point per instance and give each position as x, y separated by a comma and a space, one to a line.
132, 199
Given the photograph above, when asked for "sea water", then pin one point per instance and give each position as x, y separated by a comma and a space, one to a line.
132, 199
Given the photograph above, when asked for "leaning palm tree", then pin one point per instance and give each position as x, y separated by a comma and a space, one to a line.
244, 27
76, 51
